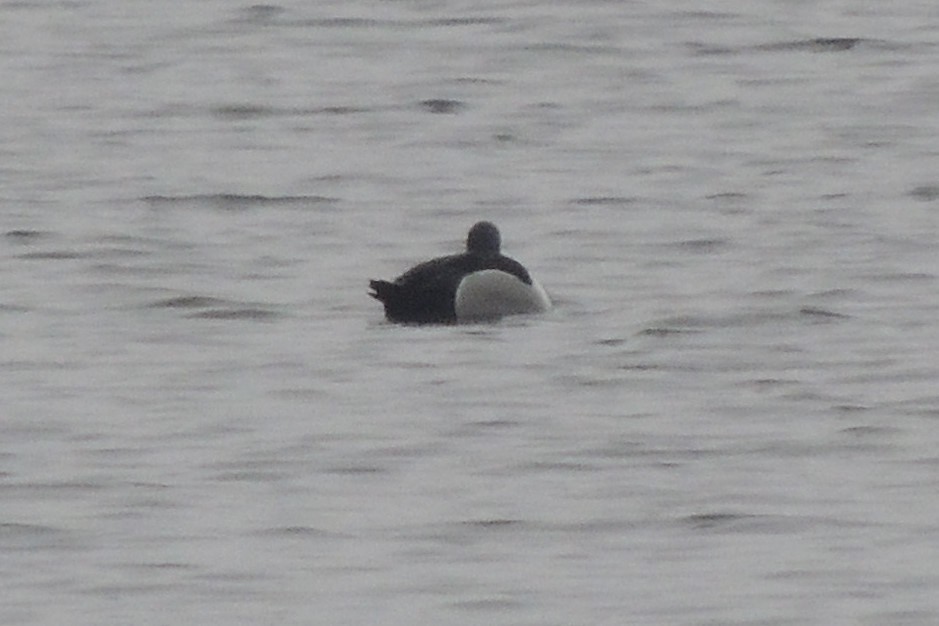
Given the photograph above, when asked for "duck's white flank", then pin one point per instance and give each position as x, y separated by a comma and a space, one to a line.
491, 294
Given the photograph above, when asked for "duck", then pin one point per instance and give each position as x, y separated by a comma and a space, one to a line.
480, 284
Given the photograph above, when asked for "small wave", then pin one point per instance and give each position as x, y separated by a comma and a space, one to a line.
296, 532
242, 111
688, 324
816, 44
250, 476
572, 48
813, 44
441, 105
208, 307
354, 470
870, 432
751, 523
24, 235
253, 111
187, 302
813, 311
713, 520
261, 13
611, 341
735, 196
492, 523
9, 529
604, 201
665, 331
701, 245
347, 22
900, 276
703, 49
51, 255
364, 22
926, 193
234, 201
235, 314
466, 21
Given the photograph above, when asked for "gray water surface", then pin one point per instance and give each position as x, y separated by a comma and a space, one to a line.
731, 416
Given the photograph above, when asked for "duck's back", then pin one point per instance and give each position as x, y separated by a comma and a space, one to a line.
423, 294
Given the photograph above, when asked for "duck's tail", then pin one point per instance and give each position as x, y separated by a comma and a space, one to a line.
382, 290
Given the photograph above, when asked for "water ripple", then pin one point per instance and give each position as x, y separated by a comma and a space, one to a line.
239, 202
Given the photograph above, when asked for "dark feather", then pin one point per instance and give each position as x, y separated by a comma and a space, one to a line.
425, 294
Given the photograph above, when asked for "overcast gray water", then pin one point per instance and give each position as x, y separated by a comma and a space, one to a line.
731, 417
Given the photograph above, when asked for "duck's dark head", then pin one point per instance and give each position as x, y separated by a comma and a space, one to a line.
484, 238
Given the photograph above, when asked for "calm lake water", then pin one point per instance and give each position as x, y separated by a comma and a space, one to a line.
731, 417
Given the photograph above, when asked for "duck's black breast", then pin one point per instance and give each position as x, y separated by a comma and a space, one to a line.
426, 293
